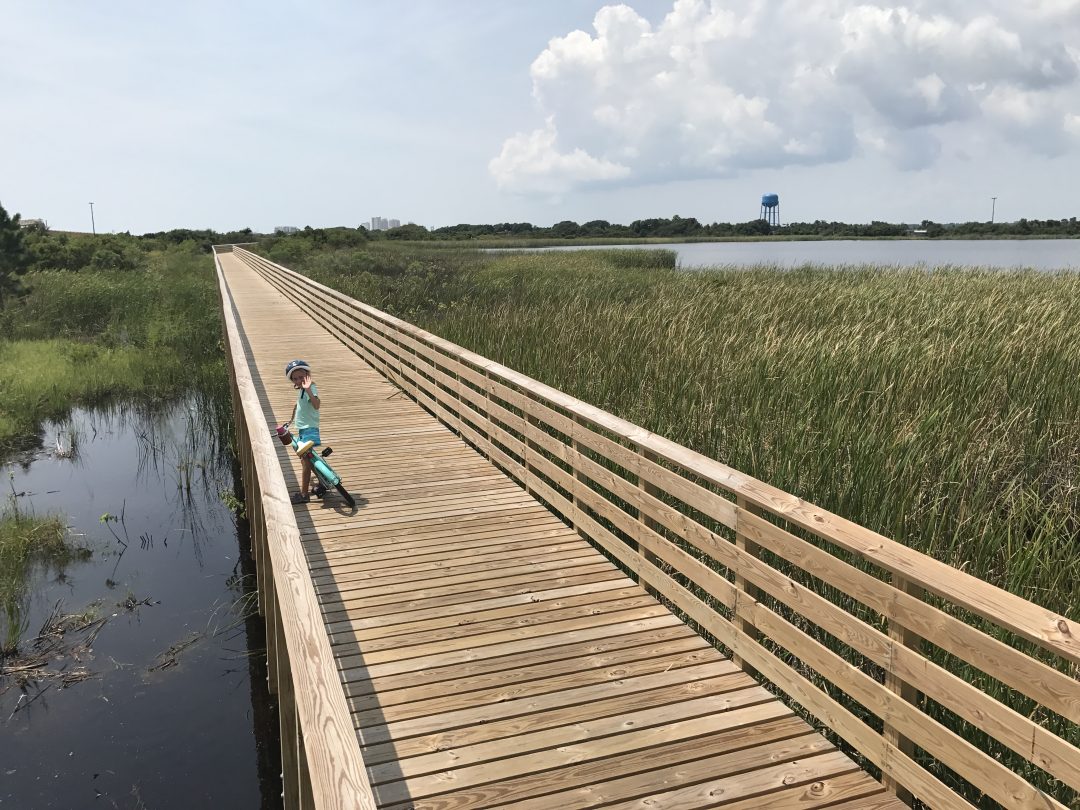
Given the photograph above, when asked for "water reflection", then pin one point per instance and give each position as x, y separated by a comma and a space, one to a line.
175, 712
1003, 254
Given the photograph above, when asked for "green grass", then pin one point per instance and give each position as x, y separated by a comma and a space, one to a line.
26, 541
109, 336
938, 409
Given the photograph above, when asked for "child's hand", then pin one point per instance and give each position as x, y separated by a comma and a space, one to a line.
305, 383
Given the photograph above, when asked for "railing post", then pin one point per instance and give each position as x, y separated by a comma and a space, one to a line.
742, 585
901, 636
307, 799
273, 623
579, 480
649, 489
257, 527
525, 448
290, 783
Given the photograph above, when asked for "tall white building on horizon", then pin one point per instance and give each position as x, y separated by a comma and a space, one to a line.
382, 223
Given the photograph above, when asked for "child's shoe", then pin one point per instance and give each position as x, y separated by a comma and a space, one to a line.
304, 448
299, 498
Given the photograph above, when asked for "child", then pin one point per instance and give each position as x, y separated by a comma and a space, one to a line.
305, 420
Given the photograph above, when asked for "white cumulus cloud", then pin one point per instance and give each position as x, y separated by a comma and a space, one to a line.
716, 88
532, 162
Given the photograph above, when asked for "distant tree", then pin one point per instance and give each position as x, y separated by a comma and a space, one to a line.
567, 229
14, 258
596, 227
408, 232
933, 228
754, 227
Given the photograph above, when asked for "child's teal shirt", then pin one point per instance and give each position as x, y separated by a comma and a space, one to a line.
306, 415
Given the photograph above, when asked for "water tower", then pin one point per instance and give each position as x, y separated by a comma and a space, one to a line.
770, 209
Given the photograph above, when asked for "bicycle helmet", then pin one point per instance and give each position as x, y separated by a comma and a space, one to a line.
294, 365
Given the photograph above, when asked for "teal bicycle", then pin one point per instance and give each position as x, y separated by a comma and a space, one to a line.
324, 473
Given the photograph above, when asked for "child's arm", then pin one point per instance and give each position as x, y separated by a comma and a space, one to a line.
306, 385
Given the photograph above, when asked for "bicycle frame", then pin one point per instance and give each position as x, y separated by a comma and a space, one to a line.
323, 471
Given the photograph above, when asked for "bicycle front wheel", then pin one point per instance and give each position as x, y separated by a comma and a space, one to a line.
344, 493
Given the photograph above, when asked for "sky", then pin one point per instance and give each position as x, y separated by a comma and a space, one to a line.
259, 114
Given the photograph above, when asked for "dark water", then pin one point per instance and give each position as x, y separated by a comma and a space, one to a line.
202, 733
1037, 254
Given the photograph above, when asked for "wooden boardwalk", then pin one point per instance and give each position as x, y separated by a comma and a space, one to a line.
490, 655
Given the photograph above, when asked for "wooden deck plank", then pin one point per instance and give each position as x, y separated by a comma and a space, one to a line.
441, 548
462, 594
574, 656
517, 724
488, 654
675, 765
583, 743
514, 684
478, 615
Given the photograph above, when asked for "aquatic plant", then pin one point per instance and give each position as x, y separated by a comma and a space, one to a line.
26, 541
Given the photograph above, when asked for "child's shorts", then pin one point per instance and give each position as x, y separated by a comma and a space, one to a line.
308, 433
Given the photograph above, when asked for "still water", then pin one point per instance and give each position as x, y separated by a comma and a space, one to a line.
1037, 254
176, 712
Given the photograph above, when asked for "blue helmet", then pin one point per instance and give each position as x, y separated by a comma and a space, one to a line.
294, 365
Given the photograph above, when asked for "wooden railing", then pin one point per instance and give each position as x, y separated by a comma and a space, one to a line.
320, 754
887, 647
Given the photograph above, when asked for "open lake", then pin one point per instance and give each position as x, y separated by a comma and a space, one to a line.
1037, 254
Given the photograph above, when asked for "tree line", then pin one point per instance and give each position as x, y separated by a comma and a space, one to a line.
689, 227
37, 248
678, 227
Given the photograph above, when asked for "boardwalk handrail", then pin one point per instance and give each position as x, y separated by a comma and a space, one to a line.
766, 574
324, 769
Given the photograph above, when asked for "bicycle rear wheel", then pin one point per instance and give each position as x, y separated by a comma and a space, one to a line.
344, 493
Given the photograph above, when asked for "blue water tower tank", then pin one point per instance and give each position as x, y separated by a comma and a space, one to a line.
770, 200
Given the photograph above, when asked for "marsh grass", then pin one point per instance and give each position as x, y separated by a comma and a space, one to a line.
27, 541
98, 337
941, 408
938, 408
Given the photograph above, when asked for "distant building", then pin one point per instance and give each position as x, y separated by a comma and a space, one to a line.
33, 223
285, 229
382, 223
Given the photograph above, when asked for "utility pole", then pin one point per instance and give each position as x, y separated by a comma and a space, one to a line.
993, 208
93, 228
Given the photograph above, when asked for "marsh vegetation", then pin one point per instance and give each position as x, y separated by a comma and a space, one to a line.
27, 541
114, 417
140, 334
938, 408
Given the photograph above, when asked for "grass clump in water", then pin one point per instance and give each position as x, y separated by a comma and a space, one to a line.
27, 541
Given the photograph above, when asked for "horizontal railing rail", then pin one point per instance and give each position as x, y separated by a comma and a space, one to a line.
321, 762
900, 655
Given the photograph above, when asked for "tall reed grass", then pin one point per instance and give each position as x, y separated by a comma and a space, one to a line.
939, 408
98, 336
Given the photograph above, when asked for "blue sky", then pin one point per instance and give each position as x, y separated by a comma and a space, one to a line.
228, 115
